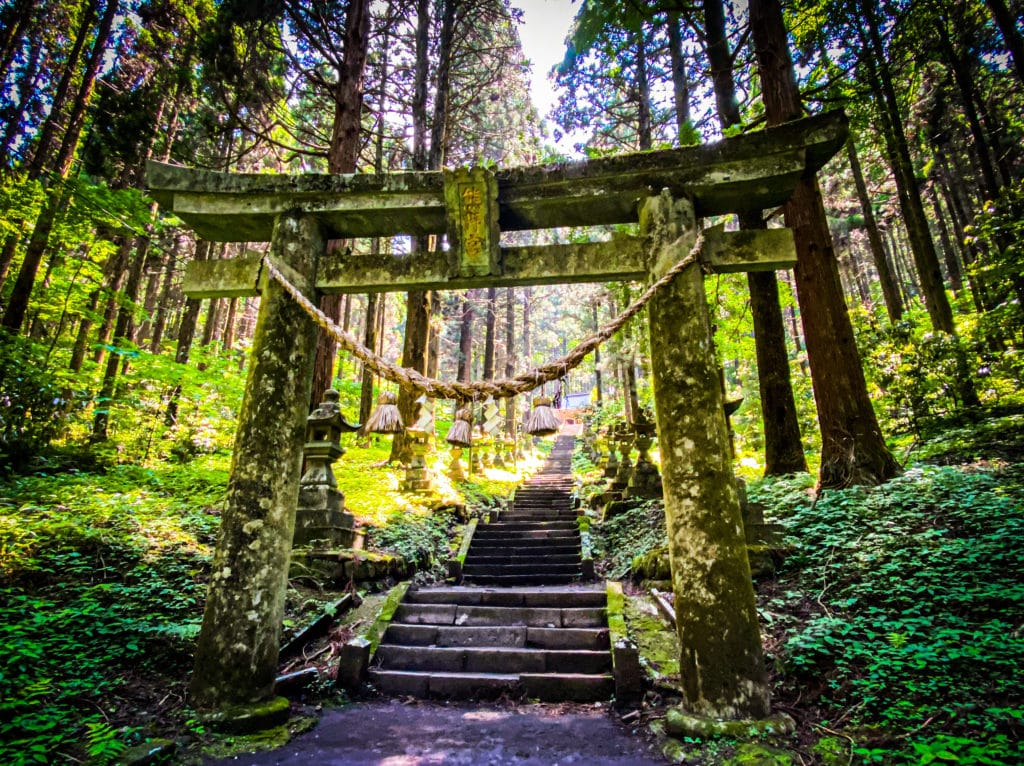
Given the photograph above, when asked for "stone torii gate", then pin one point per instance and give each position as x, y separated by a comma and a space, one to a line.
668, 192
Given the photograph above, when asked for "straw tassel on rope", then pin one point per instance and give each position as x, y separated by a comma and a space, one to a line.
386, 419
460, 433
542, 420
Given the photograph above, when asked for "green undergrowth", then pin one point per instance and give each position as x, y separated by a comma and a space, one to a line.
102, 578
897, 617
633, 532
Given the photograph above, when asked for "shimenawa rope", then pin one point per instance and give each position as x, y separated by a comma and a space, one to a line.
499, 389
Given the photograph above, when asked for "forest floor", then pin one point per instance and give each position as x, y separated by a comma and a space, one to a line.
892, 628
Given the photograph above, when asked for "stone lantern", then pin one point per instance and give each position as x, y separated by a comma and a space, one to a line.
320, 518
418, 477
624, 438
611, 463
645, 483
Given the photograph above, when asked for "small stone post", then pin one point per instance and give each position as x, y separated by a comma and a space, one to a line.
716, 617
236, 655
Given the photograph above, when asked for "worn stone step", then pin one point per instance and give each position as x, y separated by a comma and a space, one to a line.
511, 580
563, 687
474, 568
532, 518
577, 596
553, 687
551, 545
487, 659
535, 557
549, 508
542, 510
491, 531
541, 617
511, 636
459, 685
505, 525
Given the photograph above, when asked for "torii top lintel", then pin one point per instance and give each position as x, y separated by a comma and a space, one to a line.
748, 172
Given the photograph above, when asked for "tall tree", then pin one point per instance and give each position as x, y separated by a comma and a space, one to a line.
853, 448
1011, 34
342, 156
890, 290
783, 446
15, 313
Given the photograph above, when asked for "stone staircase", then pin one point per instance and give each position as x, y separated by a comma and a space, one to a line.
536, 541
548, 643
534, 630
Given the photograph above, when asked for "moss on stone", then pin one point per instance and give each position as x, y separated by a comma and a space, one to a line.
832, 751
755, 754
721, 657
248, 719
153, 752
375, 632
655, 639
682, 724
652, 565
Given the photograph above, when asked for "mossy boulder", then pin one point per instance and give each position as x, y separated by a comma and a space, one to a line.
653, 565
153, 752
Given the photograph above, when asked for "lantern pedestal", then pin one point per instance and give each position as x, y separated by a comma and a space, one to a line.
455, 471
417, 476
624, 438
645, 483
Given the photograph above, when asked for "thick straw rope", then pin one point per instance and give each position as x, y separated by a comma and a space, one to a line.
439, 389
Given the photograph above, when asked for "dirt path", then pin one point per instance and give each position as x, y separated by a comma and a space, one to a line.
391, 733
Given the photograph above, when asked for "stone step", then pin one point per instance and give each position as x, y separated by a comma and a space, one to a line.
553, 546
474, 569
510, 636
420, 683
529, 526
579, 596
494, 532
487, 659
532, 516
473, 615
538, 557
546, 687
546, 510
511, 580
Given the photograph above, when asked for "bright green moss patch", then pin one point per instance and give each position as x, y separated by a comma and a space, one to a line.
655, 638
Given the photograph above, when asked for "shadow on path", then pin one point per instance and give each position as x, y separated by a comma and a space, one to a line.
391, 733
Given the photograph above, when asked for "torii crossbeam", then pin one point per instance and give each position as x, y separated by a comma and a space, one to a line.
665, 191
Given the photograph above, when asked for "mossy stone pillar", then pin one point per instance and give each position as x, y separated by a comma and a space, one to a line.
236, 656
721, 661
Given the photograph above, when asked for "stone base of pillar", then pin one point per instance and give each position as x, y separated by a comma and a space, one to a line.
682, 724
645, 484
322, 522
